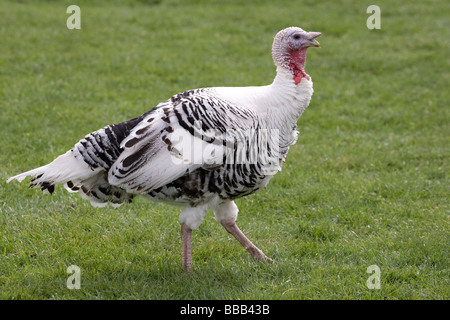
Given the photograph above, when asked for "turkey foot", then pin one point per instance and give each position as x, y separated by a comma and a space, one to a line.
257, 254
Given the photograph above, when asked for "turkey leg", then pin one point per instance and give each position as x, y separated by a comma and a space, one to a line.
231, 227
186, 235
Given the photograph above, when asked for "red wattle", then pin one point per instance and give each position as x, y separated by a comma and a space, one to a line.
296, 64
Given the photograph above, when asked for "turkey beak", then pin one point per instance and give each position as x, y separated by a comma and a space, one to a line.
311, 41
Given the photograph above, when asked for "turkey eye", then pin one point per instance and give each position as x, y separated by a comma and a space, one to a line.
297, 37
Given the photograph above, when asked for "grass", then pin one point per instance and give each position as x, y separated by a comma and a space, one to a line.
366, 184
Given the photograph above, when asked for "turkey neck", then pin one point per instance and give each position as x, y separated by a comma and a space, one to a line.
287, 101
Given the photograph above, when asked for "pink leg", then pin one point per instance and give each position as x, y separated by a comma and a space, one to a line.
231, 227
186, 234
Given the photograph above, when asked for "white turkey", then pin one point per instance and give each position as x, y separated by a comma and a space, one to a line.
201, 149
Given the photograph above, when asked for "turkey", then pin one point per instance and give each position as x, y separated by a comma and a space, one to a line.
201, 149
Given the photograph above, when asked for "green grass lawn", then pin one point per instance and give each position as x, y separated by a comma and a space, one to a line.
366, 184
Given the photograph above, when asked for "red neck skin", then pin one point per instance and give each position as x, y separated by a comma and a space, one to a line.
297, 63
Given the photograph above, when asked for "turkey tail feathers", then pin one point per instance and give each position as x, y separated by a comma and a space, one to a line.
64, 168
77, 176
